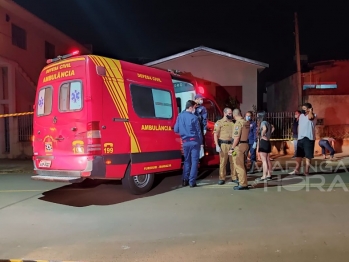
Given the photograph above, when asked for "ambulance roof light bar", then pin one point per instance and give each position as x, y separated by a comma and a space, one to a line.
61, 57
174, 71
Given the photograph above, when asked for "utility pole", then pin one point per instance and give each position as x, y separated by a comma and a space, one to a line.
298, 59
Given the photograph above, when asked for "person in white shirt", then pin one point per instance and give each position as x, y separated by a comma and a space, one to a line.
306, 138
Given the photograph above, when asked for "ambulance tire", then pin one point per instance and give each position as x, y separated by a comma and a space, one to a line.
137, 185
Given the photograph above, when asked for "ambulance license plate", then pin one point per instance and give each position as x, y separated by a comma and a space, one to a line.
45, 163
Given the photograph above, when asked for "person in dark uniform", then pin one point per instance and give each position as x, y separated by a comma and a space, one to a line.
239, 148
252, 140
201, 113
188, 127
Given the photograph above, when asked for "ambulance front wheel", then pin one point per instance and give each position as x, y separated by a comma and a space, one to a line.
137, 185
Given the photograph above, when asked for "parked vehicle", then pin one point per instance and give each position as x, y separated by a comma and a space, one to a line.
101, 118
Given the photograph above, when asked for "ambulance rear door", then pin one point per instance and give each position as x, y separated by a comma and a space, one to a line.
60, 116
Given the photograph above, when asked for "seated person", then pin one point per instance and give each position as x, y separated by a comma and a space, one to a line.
327, 143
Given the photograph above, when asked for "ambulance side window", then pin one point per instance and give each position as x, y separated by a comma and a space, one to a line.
44, 106
151, 102
70, 96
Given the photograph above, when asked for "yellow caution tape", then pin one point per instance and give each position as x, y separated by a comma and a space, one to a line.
17, 114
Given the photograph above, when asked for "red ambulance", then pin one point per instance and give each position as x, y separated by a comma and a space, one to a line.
101, 118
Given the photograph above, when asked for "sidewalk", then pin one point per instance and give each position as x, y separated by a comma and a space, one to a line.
16, 166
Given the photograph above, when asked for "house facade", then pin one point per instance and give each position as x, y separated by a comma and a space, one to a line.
236, 74
26, 42
326, 87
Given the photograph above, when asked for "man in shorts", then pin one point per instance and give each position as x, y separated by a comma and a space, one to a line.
306, 138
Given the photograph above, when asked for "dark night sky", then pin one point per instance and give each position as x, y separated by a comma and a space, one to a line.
145, 30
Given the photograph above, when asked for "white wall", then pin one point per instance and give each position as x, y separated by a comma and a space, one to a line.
332, 108
221, 70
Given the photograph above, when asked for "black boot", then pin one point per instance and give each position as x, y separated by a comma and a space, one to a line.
251, 171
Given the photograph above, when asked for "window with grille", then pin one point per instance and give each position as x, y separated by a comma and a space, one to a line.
19, 37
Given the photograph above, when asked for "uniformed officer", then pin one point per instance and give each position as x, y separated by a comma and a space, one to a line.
239, 148
201, 112
223, 131
188, 127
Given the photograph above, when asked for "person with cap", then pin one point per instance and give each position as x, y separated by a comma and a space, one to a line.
239, 148
201, 113
223, 130
188, 127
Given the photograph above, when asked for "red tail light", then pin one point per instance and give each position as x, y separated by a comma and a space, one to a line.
94, 146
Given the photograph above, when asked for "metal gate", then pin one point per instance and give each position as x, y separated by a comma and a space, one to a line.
25, 128
282, 122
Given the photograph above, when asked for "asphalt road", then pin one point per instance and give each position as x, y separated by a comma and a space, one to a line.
282, 221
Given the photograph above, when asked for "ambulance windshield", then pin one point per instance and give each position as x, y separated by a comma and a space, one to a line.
181, 86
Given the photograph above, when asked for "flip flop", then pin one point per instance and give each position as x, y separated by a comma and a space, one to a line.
259, 179
294, 173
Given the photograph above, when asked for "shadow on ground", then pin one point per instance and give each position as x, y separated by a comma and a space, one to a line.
102, 193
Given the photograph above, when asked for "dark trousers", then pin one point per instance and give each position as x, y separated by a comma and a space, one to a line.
252, 153
324, 144
191, 160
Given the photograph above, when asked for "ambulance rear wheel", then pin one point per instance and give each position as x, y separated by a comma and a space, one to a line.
137, 185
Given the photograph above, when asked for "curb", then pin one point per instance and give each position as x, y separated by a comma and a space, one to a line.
6, 171
12, 171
